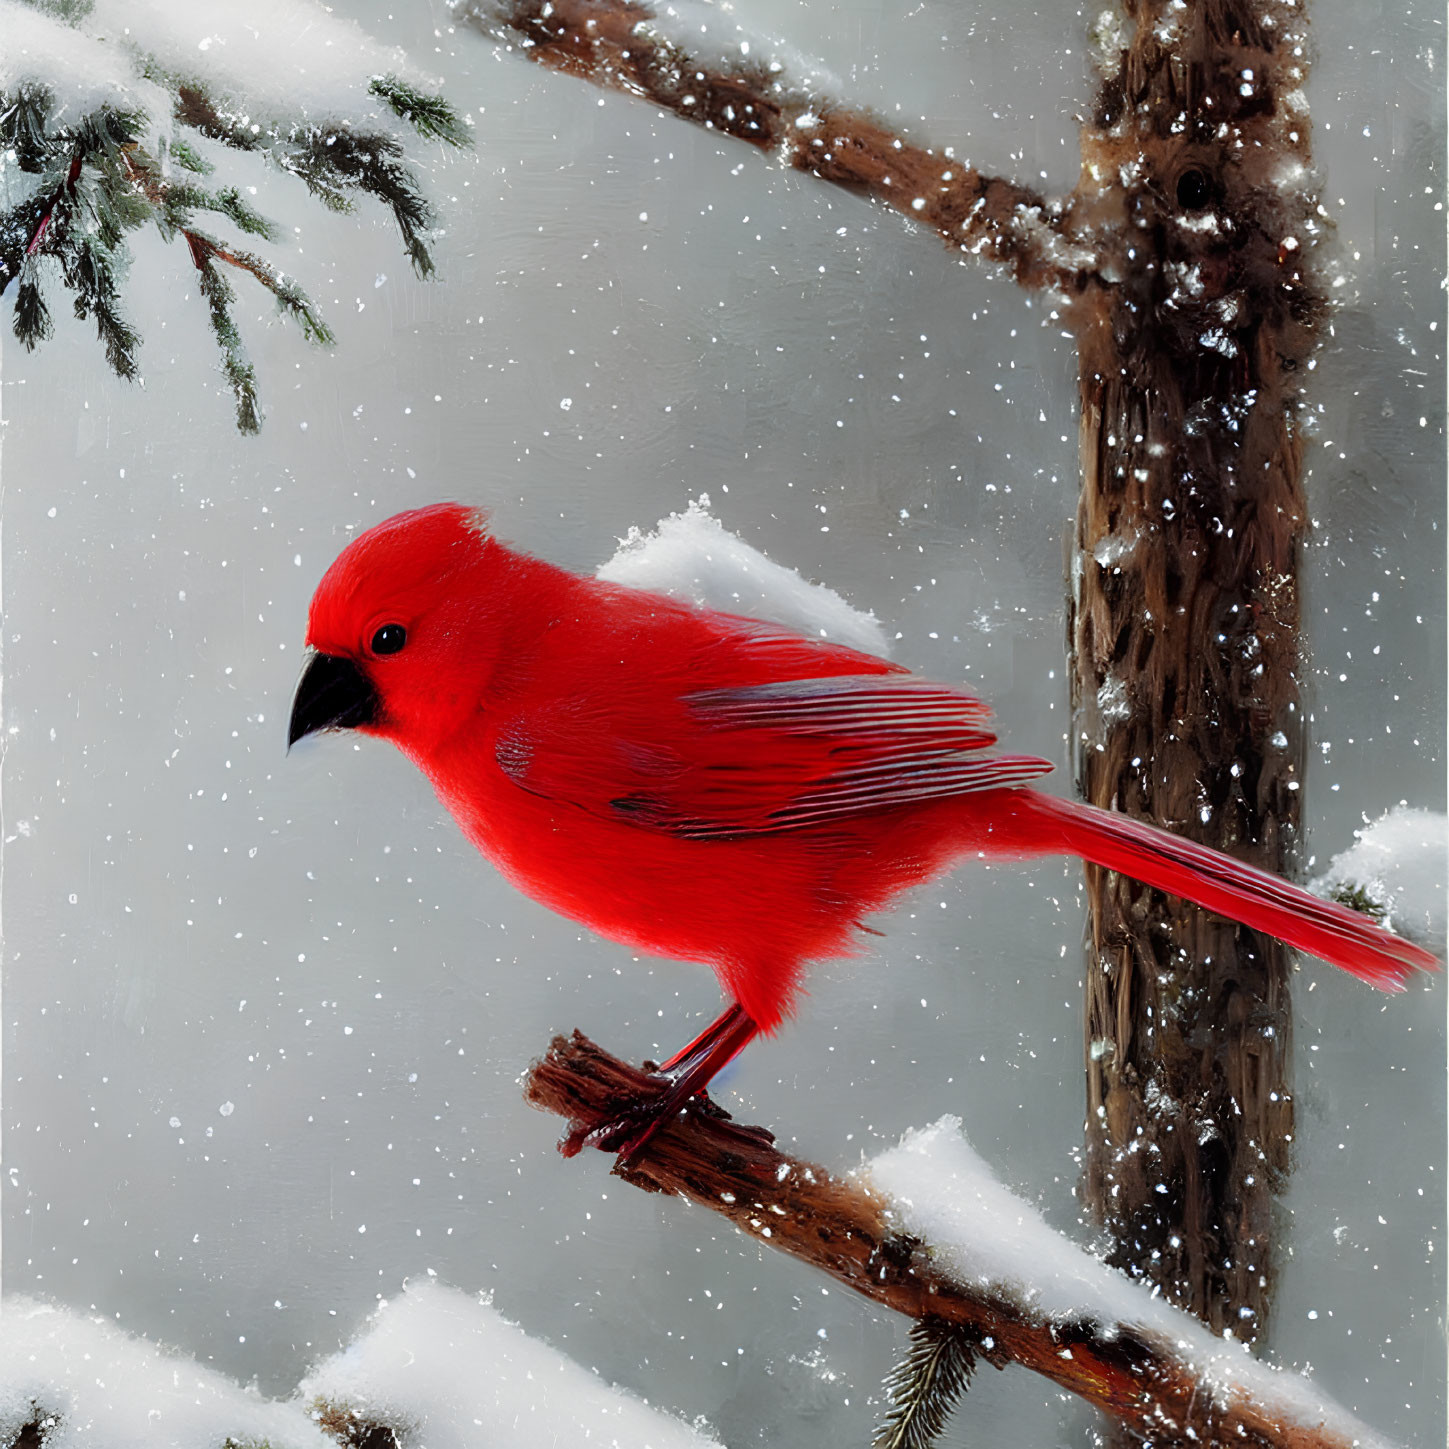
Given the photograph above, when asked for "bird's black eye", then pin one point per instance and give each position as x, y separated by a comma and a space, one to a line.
389, 639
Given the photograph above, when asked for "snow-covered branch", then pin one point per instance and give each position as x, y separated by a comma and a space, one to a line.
728, 82
117, 119
925, 1230
432, 1367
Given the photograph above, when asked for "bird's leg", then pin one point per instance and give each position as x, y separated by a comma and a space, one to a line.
704, 1043
685, 1073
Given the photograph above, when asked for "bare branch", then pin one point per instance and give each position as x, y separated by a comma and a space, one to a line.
620, 45
841, 1227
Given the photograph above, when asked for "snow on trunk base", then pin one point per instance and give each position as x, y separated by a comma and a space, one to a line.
450, 1372
691, 556
943, 1192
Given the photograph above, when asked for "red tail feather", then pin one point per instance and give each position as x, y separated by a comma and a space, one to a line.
1241, 892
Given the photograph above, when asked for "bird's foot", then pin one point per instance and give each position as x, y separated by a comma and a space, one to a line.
631, 1131
624, 1134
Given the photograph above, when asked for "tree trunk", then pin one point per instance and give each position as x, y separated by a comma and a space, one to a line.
1183, 624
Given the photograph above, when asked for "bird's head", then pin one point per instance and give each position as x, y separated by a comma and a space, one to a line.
400, 629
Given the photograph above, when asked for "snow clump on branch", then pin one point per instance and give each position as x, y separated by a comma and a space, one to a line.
434, 1364
79, 1380
944, 1193
456, 1371
691, 556
82, 71
1398, 873
274, 59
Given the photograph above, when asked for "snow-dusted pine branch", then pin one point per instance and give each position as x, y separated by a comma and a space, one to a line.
927, 1231
923, 1388
432, 1366
117, 115
1398, 873
724, 79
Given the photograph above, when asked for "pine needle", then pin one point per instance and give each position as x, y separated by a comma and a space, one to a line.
98, 181
1361, 898
32, 316
22, 126
430, 116
925, 1384
234, 361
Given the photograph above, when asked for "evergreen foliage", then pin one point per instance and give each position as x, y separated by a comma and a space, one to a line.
924, 1386
1361, 898
87, 182
430, 116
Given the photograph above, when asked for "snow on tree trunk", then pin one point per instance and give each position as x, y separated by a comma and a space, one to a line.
1183, 622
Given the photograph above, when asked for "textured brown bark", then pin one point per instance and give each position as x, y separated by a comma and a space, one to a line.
1183, 625
838, 1225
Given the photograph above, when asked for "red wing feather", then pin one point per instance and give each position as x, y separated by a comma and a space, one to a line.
856, 707
765, 758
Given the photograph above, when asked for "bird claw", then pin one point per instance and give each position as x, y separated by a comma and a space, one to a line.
630, 1132
624, 1134
620, 1134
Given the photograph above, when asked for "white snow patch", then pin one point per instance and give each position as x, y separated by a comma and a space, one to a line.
455, 1374
271, 61
1402, 861
943, 1192
1107, 38
105, 1387
1112, 702
274, 58
81, 71
1112, 548
444, 1369
693, 557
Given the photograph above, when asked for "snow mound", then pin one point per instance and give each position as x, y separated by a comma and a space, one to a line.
442, 1369
1400, 865
277, 57
693, 557
103, 1386
81, 71
450, 1372
943, 1192
277, 60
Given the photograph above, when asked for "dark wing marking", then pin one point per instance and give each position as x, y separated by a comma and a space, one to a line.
761, 759
886, 741
842, 798
857, 707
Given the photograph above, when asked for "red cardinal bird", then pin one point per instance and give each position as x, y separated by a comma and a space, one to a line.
709, 787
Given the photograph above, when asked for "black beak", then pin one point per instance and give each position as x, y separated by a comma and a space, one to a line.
334, 694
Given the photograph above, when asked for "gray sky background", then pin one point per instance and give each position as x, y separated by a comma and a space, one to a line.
265, 1015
